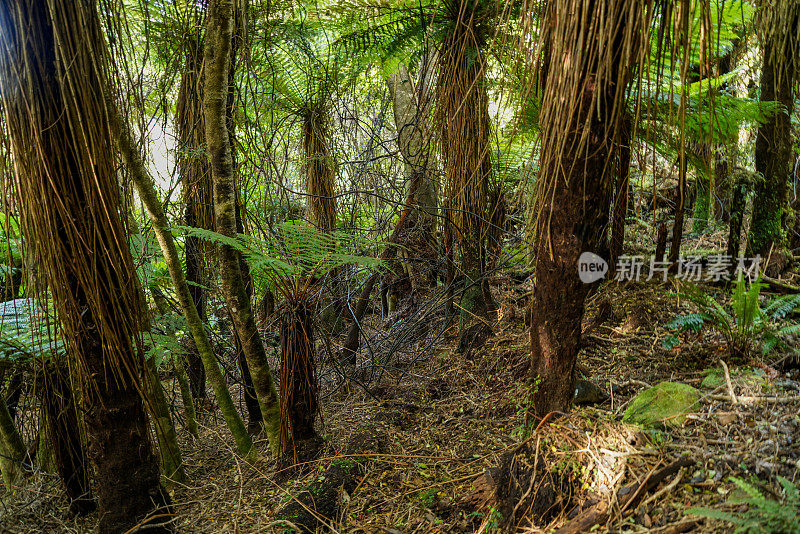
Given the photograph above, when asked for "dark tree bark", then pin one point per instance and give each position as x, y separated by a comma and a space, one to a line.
581, 124
779, 74
680, 208
195, 280
738, 204
195, 178
620, 210
63, 429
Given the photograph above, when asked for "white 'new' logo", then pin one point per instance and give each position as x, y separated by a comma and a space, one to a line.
591, 267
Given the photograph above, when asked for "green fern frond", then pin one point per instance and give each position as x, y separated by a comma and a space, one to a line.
764, 515
782, 306
692, 321
296, 250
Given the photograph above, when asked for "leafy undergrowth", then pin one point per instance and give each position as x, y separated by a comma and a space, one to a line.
439, 439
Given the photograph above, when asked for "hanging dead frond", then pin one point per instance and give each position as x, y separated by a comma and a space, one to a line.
594, 64
463, 119
55, 105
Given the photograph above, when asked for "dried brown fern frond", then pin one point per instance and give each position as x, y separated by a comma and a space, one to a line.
463, 119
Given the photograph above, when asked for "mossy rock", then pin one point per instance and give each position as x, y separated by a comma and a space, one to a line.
665, 404
741, 377
714, 378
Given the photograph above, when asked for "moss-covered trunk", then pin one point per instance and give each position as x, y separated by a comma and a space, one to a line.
147, 193
217, 61
169, 452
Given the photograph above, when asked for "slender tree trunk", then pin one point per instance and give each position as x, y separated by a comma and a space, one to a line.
620, 211
722, 186
680, 207
723, 189
195, 279
351, 345
63, 432
255, 420
69, 202
217, 60
411, 106
738, 205
779, 73
12, 448
186, 396
146, 189
170, 453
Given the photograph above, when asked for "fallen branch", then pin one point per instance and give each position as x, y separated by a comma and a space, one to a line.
728, 382
758, 400
778, 286
626, 497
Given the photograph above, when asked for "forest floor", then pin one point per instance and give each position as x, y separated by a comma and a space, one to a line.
432, 433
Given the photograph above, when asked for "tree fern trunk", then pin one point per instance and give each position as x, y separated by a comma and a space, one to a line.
69, 202
779, 73
195, 177
581, 120
299, 403
463, 119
